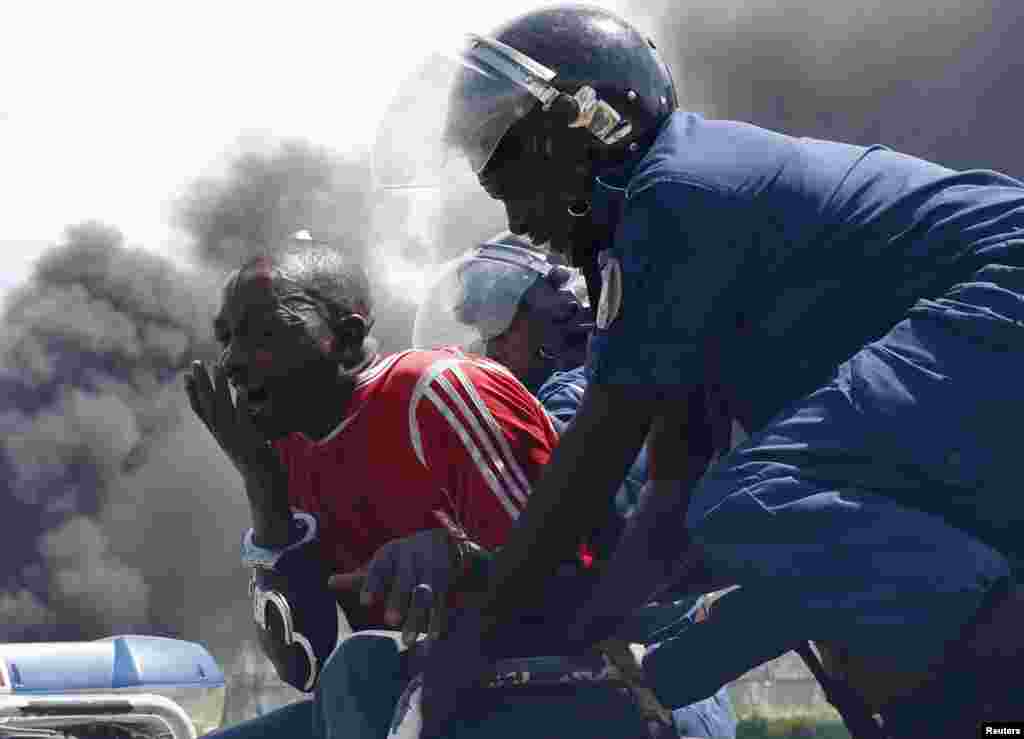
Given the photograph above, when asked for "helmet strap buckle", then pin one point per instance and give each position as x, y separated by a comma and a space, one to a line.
586, 110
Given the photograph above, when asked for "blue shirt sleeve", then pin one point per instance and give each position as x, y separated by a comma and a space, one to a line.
561, 397
680, 266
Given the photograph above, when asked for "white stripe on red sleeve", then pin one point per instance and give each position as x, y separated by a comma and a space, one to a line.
488, 434
503, 370
489, 464
521, 483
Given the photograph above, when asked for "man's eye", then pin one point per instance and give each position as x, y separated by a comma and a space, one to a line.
223, 338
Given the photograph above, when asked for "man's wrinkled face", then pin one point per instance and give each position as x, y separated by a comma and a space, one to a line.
276, 347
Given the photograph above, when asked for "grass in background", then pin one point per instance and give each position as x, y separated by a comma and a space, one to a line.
790, 728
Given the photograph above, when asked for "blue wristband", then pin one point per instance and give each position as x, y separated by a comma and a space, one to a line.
303, 529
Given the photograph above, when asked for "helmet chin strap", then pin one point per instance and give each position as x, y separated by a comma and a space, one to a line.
585, 241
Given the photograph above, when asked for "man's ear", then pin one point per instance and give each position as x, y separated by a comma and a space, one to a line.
350, 332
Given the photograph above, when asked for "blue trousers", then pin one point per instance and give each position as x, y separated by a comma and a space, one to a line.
877, 511
363, 680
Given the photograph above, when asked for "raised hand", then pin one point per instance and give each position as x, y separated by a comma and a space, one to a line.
265, 476
230, 424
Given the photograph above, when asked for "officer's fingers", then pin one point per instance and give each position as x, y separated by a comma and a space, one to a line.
420, 608
397, 604
438, 617
406, 577
379, 575
348, 582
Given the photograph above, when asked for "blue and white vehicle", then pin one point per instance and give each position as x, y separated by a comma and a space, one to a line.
120, 687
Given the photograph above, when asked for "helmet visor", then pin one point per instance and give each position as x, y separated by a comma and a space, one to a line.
448, 118
473, 301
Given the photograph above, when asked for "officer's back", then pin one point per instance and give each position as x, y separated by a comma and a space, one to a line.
814, 246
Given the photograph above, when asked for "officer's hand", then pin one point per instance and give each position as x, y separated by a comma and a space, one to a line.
230, 424
412, 576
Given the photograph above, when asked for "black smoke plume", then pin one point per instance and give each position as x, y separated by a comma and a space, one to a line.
933, 78
271, 190
96, 539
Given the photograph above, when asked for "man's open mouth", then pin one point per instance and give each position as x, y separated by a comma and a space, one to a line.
258, 399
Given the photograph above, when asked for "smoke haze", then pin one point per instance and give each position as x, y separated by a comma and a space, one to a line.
933, 78
120, 514
272, 189
89, 351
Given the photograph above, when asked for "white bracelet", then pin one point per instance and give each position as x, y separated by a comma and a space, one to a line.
254, 555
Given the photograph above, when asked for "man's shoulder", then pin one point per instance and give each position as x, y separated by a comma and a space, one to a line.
572, 381
423, 366
410, 376
562, 394
443, 390
727, 157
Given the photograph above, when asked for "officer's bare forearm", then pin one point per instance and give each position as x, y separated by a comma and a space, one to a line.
266, 486
588, 465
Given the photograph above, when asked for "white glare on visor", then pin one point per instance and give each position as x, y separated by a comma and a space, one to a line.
447, 119
472, 301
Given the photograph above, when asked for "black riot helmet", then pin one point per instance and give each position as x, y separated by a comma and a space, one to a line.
547, 101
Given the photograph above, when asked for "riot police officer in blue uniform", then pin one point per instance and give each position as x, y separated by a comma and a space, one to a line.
860, 311
517, 305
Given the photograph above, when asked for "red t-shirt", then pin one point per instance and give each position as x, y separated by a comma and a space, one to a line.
425, 430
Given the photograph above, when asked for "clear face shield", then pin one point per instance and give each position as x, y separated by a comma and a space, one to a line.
428, 202
449, 117
477, 296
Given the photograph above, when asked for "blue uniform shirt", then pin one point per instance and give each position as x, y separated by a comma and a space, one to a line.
779, 257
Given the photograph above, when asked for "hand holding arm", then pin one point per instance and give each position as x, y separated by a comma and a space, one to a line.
414, 576
573, 492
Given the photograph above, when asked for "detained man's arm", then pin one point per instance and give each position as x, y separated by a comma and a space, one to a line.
266, 487
585, 471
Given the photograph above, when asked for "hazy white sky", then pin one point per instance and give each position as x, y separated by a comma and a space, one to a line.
108, 108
